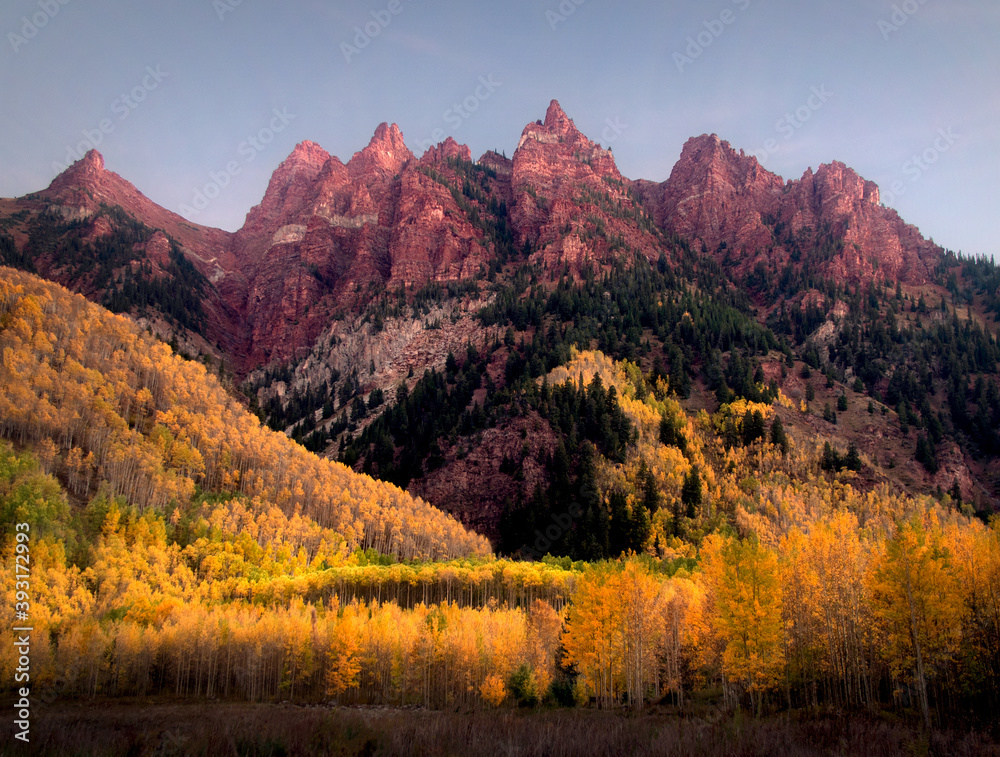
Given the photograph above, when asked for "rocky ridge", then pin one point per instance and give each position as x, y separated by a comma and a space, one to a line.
327, 236
744, 215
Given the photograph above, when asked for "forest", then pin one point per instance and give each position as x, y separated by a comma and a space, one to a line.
179, 548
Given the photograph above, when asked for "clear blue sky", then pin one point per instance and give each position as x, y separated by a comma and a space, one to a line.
872, 83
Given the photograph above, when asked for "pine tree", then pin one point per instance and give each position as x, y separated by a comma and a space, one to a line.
691, 491
956, 494
753, 426
778, 436
650, 492
925, 454
853, 460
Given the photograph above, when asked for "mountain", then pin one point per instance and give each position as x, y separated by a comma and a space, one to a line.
118, 416
87, 185
396, 311
326, 235
571, 202
744, 215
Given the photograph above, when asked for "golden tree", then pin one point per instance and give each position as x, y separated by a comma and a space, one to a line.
742, 577
918, 602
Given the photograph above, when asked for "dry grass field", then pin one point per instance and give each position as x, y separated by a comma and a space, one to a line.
141, 729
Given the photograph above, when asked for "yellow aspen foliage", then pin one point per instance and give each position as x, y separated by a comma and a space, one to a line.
680, 604
640, 627
591, 640
494, 689
544, 628
918, 603
613, 632
743, 580
734, 413
344, 652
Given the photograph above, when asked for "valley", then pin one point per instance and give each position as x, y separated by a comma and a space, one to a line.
505, 436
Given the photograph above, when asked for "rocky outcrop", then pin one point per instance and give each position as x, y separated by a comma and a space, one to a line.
570, 201
873, 240
79, 193
716, 195
727, 203
81, 189
327, 235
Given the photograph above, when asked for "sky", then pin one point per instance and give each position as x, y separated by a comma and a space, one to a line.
196, 102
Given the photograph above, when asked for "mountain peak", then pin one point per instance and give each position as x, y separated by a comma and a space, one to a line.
440, 152
85, 171
711, 144
387, 151
387, 133
308, 152
839, 178
557, 127
556, 118
709, 156
93, 160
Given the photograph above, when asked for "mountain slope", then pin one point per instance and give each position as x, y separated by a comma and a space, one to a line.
354, 285
111, 406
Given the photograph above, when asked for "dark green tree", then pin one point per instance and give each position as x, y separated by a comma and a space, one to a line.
754, 427
778, 436
853, 459
926, 454
691, 491
956, 493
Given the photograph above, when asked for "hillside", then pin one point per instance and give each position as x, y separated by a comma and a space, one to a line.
362, 298
178, 550
113, 410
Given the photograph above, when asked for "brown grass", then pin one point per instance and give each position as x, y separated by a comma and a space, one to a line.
243, 730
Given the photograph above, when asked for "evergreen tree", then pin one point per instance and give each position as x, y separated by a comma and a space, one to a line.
620, 527
778, 436
753, 427
691, 491
831, 458
829, 415
853, 459
650, 491
926, 454
956, 493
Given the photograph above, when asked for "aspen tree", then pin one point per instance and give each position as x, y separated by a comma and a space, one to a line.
742, 576
918, 602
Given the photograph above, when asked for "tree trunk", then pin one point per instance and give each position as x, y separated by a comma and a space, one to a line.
921, 679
